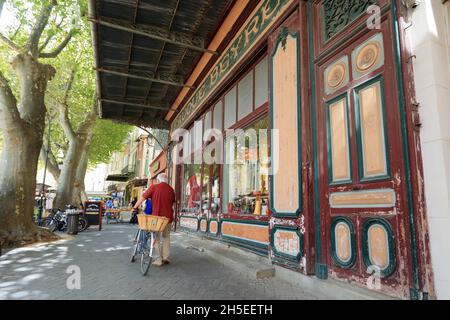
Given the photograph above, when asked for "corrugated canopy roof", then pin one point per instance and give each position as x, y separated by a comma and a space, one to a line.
145, 50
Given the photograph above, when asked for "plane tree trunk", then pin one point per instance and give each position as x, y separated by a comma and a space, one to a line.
22, 126
70, 185
67, 178
80, 189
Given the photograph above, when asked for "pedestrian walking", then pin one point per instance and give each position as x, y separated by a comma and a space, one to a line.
162, 196
134, 218
109, 204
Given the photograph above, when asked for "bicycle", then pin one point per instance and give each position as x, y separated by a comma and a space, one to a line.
145, 239
57, 220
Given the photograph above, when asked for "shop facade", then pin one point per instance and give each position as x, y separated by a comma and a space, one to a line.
297, 127
308, 117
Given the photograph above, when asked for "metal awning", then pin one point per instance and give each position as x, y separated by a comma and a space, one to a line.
121, 177
145, 50
137, 182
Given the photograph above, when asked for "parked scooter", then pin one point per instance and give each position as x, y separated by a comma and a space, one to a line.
57, 220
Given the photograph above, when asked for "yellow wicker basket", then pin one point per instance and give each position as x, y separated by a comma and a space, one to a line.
152, 223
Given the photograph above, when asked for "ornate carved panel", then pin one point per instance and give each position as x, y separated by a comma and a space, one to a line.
368, 56
337, 14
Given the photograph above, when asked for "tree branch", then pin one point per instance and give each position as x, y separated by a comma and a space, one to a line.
50, 35
47, 40
58, 49
52, 164
41, 23
69, 85
8, 102
65, 122
86, 125
64, 109
16, 32
10, 44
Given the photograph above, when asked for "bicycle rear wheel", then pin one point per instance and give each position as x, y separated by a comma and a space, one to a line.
50, 224
147, 255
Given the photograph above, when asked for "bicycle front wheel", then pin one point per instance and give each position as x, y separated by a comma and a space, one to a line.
135, 247
147, 256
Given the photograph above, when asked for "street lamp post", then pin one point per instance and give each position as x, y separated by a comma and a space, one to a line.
41, 204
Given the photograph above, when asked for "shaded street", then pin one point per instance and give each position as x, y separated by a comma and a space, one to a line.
39, 272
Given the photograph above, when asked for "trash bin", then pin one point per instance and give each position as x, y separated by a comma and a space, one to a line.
72, 221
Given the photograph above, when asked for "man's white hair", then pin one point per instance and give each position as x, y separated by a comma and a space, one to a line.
162, 177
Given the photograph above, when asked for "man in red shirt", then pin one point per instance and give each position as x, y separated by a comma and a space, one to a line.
163, 198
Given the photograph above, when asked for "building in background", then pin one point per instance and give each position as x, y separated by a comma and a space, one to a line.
95, 184
128, 172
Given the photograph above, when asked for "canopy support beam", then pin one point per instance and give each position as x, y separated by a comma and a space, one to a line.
131, 103
155, 33
169, 80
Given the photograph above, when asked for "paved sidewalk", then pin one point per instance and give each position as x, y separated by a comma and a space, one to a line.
39, 272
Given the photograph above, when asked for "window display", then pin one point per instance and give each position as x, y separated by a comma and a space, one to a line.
205, 189
246, 170
191, 188
244, 186
215, 189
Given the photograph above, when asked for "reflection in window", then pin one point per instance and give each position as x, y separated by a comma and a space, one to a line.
218, 116
215, 192
207, 122
245, 95
205, 189
261, 83
191, 188
230, 108
246, 170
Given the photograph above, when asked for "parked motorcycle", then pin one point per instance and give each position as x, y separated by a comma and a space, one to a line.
57, 220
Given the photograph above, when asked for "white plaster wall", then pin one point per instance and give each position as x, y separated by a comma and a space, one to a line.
430, 36
95, 178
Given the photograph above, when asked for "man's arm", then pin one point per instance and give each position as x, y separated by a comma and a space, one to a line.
144, 197
139, 202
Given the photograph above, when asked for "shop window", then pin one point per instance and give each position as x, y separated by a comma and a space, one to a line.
218, 116
198, 136
205, 189
241, 184
245, 95
246, 170
191, 188
261, 83
207, 122
191, 141
230, 108
215, 189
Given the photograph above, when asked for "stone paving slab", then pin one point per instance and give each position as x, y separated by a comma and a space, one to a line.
40, 272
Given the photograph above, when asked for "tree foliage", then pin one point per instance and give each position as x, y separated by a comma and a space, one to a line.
67, 18
108, 138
